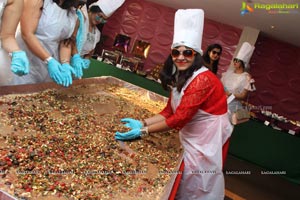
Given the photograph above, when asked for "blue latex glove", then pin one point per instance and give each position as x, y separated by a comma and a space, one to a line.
81, 33
19, 63
66, 71
78, 63
87, 63
54, 71
132, 123
225, 89
130, 135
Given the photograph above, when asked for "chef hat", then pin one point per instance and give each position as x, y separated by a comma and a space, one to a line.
188, 28
108, 7
245, 53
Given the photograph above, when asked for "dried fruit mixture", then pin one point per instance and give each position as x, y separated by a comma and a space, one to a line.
59, 144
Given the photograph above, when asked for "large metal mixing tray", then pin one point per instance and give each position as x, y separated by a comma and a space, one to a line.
36, 88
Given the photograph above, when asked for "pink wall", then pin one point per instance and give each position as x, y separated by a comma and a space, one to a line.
153, 23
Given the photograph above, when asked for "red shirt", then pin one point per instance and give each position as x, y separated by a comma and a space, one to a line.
205, 92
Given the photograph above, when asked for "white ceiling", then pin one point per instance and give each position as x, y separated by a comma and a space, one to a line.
286, 27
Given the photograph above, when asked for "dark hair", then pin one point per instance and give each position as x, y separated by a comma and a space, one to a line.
243, 64
81, 3
240, 61
206, 57
168, 79
89, 2
68, 4
95, 9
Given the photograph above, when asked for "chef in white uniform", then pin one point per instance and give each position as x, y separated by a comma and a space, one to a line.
197, 107
17, 62
88, 35
236, 80
98, 13
44, 25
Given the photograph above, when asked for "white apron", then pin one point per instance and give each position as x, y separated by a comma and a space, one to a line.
91, 39
235, 83
202, 139
55, 25
5, 60
2, 6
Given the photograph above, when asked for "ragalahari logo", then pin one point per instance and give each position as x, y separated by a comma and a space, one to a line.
246, 9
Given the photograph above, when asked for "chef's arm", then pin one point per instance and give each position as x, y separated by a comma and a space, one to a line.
155, 119
29, 21
160, 126
10, 19
73, 38
138, 129
157, 123
242, 95
65, 49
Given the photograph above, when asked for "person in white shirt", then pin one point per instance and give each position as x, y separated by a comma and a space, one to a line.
44, 25
87, 33
237, 82
97, 13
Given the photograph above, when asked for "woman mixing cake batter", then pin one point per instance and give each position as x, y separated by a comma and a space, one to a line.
197, 107
44, 24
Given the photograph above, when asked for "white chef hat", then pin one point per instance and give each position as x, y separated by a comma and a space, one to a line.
108, 7
245, 53
188, 28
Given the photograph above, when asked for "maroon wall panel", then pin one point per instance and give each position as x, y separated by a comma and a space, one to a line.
275, 67
145, 21
153, 23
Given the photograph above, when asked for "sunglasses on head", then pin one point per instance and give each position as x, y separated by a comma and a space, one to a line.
216, 52
236, 60
188, 53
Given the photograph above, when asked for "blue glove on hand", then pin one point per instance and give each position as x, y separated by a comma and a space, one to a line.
87, 63
78, 63
66, 71
225, 89
130, 135
19, 63
132, 123
54, 71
